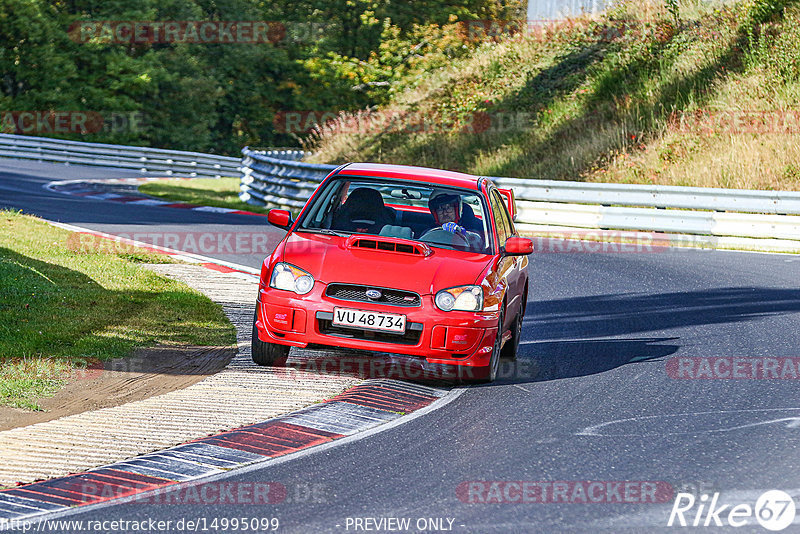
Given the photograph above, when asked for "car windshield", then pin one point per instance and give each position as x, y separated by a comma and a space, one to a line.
440, 216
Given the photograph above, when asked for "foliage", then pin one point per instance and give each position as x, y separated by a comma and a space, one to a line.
331, 55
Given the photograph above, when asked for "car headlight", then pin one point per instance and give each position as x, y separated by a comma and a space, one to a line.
290, 278
462, 298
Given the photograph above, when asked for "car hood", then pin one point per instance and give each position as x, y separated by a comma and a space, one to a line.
328, 258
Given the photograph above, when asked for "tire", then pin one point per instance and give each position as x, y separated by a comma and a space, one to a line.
511, 347
488, 374
269, 354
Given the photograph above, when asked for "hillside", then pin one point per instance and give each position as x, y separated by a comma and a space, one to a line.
702, 94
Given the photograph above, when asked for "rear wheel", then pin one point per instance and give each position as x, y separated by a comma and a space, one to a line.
264, 353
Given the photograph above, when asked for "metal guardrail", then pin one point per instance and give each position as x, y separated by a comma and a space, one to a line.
268, 179
149, 160
659, 220
278, 177
656, 196
281, 178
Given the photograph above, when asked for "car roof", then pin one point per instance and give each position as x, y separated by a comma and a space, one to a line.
411, 173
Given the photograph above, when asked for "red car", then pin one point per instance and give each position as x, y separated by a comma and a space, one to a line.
397, 259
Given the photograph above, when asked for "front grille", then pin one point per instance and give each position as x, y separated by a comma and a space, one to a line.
357, 293
410, 337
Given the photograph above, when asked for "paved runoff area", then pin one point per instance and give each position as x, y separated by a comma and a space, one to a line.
242, 394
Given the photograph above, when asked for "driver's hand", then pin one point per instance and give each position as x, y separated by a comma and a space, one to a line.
453, 228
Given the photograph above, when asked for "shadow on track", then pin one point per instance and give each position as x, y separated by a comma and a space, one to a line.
613, 315
552, 360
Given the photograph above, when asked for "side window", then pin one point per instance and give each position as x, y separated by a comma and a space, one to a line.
507, 222
500, 222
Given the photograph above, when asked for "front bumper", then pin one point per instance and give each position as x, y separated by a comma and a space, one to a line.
451, 338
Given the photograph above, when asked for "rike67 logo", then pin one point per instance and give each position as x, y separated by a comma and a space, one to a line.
774, 510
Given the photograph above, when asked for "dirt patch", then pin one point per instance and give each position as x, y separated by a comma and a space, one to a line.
147, 373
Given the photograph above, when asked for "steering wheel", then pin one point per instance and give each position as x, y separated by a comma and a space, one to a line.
440, 232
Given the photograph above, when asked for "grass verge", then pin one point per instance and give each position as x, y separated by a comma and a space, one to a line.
217, 192
62, 308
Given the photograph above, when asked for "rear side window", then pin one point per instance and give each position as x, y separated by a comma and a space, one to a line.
502, 220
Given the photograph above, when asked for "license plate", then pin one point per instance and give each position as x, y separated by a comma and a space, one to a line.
385, 322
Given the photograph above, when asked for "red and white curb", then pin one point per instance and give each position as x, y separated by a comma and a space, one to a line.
362, 408
93, 189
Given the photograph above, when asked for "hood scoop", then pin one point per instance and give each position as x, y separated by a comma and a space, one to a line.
388, 244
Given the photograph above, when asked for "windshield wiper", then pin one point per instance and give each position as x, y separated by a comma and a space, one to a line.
325, 231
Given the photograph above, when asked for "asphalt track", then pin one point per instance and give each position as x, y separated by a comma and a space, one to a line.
22, 187
591, 399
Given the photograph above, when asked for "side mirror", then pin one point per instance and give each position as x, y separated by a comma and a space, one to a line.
518, 246
280, 218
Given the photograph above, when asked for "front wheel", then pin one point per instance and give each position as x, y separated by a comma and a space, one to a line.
489, 373
264, 353
511, 347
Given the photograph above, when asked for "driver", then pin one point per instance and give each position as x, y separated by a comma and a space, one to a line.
448, 211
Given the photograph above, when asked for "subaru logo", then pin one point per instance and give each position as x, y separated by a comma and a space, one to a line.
373, 294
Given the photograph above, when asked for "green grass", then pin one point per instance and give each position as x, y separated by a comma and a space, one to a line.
217, 192
578, 107
22, 380
62, 308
